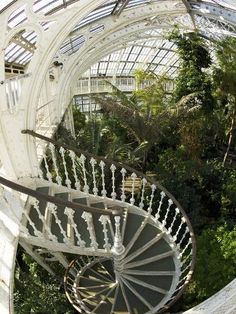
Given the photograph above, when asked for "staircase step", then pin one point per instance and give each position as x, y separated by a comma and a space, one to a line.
135, 304
81, 200
133, 224
99, 271
146, 235
98, 205
108, 265
120, 306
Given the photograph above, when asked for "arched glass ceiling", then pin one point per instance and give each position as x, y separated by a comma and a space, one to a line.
153, 55
214, 18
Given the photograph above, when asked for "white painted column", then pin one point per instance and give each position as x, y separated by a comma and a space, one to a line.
10, 214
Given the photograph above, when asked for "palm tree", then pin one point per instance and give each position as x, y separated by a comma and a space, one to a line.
148, 114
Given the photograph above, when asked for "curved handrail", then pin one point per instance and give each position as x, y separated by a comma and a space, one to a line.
151, 182
58, 201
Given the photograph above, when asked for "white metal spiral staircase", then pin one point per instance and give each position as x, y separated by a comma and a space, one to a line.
132, 243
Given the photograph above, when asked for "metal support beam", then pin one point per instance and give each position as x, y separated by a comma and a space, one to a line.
119, 7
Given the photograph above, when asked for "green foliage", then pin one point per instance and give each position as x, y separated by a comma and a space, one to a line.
38, 292
194, 57
215, 265
181, 141
225, 72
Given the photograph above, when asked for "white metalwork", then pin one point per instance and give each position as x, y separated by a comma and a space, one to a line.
99, 85
37, 233
82, 161
113, 169
58, 177
170, 202
48, 173
77, 183
118, 247
52, 209
123, 172
46, 227
174, 220
153, 187
157, 216
144, 182
90, 226
68, 181
105, 220
183, 221
111, 36
70, 214
13, 88
133, 178
93, 162
102, 166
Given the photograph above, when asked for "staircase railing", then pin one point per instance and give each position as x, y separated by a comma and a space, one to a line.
121, 184
71, 242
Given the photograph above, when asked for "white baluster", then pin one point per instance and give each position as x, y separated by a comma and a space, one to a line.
62, 152
32, 224
102, 166
53, 210
118, 247
52, 149
51, 236
186, 247
170, 202
93, 162
82, 160
173, 221
157, 216
187, 267
48, 173
69, 212
180, 226
113, 169
77, 183
133, 177
90, 227
153, 187
183, 236
141, 204
123, 172
104, 221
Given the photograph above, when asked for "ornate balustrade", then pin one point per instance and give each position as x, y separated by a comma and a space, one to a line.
13, 88
125, 84
39, 231
117, 184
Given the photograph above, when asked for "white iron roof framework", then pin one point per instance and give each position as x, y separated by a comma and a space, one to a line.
146, 50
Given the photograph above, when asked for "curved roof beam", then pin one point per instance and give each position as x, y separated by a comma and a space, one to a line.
119, 7
214, 11
156, 15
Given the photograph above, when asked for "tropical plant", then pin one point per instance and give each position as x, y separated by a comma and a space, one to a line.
36, 291
215, 265
225, 80
192, 77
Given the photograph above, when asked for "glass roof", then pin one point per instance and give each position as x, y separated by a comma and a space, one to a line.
154, 54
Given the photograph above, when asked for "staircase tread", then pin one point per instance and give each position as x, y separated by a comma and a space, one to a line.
80, 200
100, 205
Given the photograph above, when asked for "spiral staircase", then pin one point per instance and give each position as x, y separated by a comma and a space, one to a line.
132, 245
